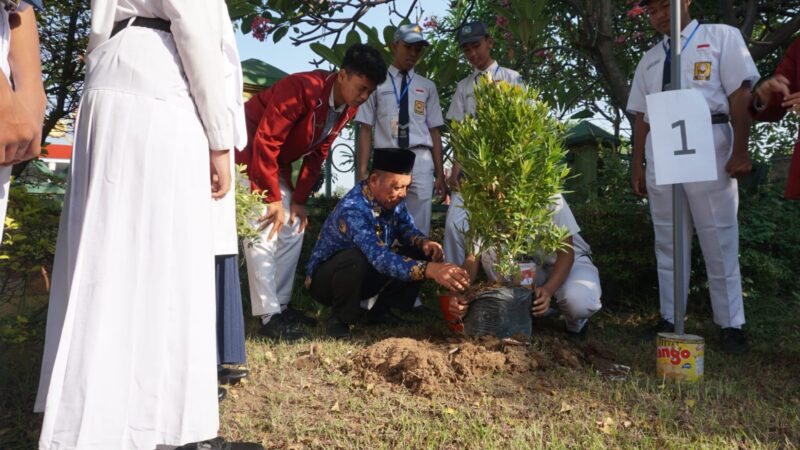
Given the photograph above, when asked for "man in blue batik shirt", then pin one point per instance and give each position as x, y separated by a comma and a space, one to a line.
370, 246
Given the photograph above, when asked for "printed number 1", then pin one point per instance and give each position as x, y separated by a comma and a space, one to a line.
683, 150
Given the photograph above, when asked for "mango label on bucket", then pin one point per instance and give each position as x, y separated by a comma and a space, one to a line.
680, 357
674, 354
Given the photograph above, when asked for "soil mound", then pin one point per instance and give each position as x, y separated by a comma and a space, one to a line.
424, 367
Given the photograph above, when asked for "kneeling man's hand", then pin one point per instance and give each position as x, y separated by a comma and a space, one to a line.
449, 276
542, 301
433, 250
458, 305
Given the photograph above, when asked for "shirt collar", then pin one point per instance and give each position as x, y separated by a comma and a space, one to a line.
685, 32
332, 103
492, 67
395, 72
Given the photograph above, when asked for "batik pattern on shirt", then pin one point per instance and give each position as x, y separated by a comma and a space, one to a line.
359, 221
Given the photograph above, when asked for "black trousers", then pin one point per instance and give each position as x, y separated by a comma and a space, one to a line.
347, 277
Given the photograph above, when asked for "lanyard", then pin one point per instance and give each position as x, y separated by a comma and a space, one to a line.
400, 97
683, 47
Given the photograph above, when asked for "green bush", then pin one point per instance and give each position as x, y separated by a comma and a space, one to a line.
29, 239
512, 152
769, 242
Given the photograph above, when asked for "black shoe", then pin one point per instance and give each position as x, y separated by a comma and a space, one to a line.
221, 393
382, 317
297, 316
733, 341
227, 375
336, 329
576, 336
663, 326
219, 444
280, 328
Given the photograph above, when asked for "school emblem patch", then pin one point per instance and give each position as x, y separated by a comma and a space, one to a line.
419, 107
702, 71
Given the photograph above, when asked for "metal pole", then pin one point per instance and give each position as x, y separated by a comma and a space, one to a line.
678, 199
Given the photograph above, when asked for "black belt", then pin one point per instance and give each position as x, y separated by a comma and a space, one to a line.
144, 22
720, 118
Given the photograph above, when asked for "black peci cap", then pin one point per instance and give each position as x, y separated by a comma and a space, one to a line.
395, 160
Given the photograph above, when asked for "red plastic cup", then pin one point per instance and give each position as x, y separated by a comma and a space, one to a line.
454, 322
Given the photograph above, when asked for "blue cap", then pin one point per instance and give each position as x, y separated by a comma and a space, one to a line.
471, 32
35, 3
410, 33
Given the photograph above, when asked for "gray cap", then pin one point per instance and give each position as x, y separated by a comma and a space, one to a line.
471, 32
410, 33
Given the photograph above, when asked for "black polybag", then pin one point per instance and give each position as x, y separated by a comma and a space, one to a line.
500, 312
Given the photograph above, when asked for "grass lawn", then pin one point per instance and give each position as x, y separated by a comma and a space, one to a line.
309, 394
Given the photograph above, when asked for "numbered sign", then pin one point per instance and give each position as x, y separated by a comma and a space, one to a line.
683, 142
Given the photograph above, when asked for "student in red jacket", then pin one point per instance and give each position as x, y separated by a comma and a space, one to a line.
298, 117
777, 95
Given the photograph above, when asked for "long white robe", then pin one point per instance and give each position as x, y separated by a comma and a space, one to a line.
129, 360
226, 241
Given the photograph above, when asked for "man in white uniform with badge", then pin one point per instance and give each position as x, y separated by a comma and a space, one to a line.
477, 45
404, 112
716, 62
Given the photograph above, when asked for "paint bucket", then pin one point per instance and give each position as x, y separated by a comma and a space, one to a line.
680, 356
454, 323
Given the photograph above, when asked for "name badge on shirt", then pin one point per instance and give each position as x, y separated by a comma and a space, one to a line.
419, 107
702, 71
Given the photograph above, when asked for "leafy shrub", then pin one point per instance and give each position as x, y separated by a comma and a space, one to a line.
249, 205
29, 239
513, 155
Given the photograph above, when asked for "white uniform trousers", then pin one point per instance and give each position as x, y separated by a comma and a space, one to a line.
5, 184
271, 264
578, 298
711, 208
420, 193
455, 225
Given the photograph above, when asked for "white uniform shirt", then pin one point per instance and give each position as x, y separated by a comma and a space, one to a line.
715, 62
463, 103
197, 31
562, 217
382, 109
